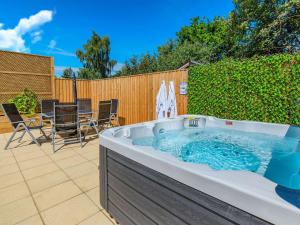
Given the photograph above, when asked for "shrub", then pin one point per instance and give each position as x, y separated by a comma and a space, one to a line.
26, 102
262, 89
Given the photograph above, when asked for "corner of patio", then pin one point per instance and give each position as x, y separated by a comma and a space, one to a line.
38, 186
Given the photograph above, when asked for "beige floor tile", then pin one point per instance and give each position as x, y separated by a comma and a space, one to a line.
42, 182
39, 170
62, 155
34, 162
5, 153
7, 160
65, 163
13, 193
97, 219
17, 211
54, 195
10, 179
70, 212
80, 170
96, 162
90, 155
22, 156
34, 220
88, 182
94, 195
7, 169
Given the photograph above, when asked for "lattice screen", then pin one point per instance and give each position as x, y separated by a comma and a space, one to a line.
19, 71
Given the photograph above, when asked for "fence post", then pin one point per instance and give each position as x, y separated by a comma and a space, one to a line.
52, 77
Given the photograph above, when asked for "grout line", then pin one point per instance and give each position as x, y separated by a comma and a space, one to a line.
30, 192
84, 192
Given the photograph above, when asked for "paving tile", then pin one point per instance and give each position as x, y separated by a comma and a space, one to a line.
34, 162
7, 160
96, 162
62, 155
42, 182
70, 212
39, 170
90, 155
17, 211
97, 219
65, 163
13, 193
88, 182
94, 195
7, 169
34, 220
10, 179
80, 170
54, 195
22, 156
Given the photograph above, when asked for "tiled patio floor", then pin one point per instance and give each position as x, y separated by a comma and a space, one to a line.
39, 187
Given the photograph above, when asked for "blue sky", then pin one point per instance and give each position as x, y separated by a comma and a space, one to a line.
59, 27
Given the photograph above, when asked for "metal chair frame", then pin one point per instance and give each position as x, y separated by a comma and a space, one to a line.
20, 125
56, 130
101, 121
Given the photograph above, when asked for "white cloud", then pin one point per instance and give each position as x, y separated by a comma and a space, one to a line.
118, 67
58, 51
12, 39
52, 44
36, 36
1, 25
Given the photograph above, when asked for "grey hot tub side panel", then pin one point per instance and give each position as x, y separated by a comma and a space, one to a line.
135, 194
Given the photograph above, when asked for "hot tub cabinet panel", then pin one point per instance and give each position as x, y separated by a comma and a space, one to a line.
135, 194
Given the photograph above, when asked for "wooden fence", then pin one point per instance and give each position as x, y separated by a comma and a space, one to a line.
136, 94
19, 71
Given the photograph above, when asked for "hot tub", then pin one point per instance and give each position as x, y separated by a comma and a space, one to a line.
201, 170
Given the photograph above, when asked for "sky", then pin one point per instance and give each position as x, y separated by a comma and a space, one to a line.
59, 27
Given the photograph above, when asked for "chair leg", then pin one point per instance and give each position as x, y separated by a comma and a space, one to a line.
31, 135
53, 141
10, 139
22, 135
43, 132
80, 138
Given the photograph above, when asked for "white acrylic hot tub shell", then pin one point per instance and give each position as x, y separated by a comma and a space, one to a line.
245, 190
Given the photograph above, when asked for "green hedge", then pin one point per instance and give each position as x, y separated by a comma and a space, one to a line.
261, 89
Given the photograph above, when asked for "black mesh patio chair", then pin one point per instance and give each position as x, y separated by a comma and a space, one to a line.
114, 111
104, 116
11, 112
84, 105
66, 124
85, 110
47, 109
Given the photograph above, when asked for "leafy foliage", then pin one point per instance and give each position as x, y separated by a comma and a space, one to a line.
254, 27
26, 102
67, 73
262, 89
95, 57
264, 27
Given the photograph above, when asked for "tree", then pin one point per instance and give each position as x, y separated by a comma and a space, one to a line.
67, 73
95, 57
264, 27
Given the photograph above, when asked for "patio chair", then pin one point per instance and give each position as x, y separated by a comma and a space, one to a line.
11, 112
47, 109
104, 116
84, 105
66, 124
114, 111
